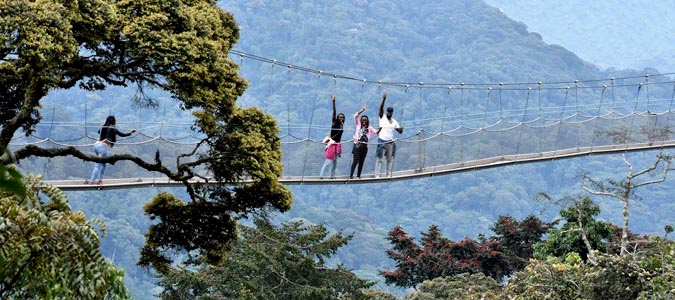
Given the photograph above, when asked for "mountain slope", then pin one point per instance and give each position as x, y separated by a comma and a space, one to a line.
611, 33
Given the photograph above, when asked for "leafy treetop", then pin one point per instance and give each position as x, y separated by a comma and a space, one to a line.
179, 46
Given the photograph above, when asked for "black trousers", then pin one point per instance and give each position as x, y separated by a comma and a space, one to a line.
359, 156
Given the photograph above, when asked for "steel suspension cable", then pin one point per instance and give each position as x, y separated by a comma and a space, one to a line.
562, 114
632, 120
480, 141
595, 130
311, 119
520, 135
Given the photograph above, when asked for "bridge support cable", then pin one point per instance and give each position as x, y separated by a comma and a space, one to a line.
501, 118
576, 99
421, 151
596, 132
484, 122
522, 121
560, 120
309, 129
443, 117
629, 130
540, 116
461, 121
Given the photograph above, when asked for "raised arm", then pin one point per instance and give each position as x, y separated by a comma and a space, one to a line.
356, 115
332, 99
384, 98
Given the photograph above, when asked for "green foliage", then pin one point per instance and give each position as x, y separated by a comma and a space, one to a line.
550, 279
179, 47
647, 275
458, 287
10, 178
567, 239
48, 251
196, 226
269, 262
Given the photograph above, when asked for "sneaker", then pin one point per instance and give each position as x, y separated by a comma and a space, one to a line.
377, 176
99, 182
320, 177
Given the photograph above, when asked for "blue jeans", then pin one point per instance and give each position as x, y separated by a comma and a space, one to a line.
327, 163
101, 150
384, 149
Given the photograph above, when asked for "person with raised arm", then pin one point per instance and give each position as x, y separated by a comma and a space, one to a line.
333, 146
361, 138
386, 145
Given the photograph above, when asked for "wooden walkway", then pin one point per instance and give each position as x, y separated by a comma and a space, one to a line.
126, 183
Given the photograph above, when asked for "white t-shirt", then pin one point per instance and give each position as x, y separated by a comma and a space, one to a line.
387, 132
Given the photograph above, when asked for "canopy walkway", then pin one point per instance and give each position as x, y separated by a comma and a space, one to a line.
456, 127
125, 183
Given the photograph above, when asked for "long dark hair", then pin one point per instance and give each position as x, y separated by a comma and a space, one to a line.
367, 120
109, 121
337, 121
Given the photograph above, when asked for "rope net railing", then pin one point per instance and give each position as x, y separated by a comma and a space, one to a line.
443, 124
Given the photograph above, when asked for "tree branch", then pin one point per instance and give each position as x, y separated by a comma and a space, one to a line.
33, 150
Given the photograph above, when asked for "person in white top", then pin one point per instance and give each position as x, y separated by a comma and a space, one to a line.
385, 138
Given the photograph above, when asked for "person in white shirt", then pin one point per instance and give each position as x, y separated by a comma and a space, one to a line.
385, 138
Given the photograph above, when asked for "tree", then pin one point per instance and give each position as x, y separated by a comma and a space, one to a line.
11, 179
643, 275
519, 237
438, 256
462, 286
178, 46
580, 234
624, 190
48, 251
269, 262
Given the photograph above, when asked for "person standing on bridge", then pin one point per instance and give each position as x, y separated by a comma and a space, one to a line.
361, 138
385, 138
334, 147
107, 138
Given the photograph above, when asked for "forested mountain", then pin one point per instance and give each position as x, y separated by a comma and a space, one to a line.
449, 42
619, 34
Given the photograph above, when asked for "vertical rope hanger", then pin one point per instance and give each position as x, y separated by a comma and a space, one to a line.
576, 98
405, 101
595, 130
461, 122
651, 131
522, 122
311, 119
501, 120
632, 119
288, 106
541, 143
442, 133
560, 121
49, 137
487, 105
421, 149
670, 108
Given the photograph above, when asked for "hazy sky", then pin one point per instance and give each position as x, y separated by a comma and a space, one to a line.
620, 33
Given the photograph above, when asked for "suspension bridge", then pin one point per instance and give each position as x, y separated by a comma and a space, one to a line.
464, 127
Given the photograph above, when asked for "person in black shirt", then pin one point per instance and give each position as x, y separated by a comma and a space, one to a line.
334, 147
106, 140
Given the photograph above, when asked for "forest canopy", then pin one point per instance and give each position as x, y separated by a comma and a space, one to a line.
180, 47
